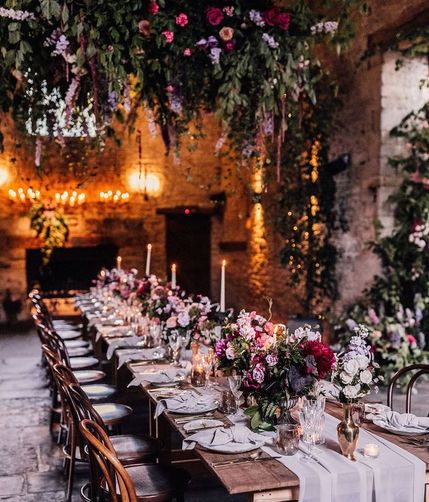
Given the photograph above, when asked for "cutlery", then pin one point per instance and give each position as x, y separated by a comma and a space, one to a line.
189, 418
224, 426
242, 461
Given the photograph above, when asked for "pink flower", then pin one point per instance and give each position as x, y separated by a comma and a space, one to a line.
229, 11
283, 20
169, 36
270, 16
171, 322
214, 16
187, 52
258, 373
412, 341
182, 19
169, 88
229, 47
153, 8
144, 27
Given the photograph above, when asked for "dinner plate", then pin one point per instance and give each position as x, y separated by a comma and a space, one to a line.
172, 383
196, 410
404, 431
202, 424
232, 447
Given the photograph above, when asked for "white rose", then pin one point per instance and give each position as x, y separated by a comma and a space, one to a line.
346, 378
351, 367
366, 376
351, 391
363, 362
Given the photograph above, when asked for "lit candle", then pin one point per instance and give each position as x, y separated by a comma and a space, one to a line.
371, 450
222, 287
118, 262
149, 251
173, 276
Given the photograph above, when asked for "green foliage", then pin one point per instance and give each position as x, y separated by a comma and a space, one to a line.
51, 228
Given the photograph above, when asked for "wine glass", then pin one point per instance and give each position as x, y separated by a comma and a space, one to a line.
309, 420
235, 386
207, 361
175, 342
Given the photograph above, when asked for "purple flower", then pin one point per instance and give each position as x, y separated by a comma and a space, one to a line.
220, 348
112, 101
212, 41
256, 17
270, 41
271, 359
202, 44
15, 14
214, 55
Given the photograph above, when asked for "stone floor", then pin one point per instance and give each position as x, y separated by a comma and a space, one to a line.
30, 463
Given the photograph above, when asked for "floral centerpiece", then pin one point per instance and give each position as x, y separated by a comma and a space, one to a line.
276, 367
354, 377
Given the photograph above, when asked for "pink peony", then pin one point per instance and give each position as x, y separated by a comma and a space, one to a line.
214, 16
153, 8
182, 20
171, 322
258, 373
187, 52
169, 36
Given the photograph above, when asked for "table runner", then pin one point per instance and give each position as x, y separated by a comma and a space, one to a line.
395, 476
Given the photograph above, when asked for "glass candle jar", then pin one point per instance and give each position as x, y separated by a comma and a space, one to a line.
287, 438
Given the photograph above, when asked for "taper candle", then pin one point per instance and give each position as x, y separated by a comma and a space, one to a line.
118, 262
173, 276
222, 286
149, 251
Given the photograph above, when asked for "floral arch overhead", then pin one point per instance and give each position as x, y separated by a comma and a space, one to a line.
250, 62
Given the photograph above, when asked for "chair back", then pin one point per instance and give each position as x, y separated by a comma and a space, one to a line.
416, 370
113, 475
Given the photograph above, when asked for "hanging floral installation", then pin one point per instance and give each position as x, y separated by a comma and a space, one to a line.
252, 63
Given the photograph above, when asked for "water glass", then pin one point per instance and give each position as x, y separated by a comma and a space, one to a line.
228, 403
358, 413
287, 438
309, 423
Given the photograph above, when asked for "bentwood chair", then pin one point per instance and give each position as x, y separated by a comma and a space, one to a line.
111, 414
137, 483
414, 372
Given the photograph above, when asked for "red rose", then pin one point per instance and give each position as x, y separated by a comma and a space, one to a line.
283, 20
229, 47
323, 356
214, 16
153, 8
270, 16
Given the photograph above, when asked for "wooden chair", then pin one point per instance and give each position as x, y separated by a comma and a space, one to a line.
416, 370
138, 483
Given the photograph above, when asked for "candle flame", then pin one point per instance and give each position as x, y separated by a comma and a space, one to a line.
173, 267
223, 263
149, 246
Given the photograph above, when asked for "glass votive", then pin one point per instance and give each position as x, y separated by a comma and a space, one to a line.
371, 450
228, 403
287, 438
198, 376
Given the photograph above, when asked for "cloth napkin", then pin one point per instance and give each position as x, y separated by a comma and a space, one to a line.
395, 419
227, 438
405, 420
110, 330
186, 400
168, 375
129, 341
132, 354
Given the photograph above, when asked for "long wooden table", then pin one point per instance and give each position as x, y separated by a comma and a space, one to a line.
262, 481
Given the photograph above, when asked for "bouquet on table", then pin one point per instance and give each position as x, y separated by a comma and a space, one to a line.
355, 370
276, 367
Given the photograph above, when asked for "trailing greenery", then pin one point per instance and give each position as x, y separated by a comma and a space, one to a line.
51, 228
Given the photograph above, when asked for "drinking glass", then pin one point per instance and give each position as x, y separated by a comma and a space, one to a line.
208, 362
313, 403
308, 420
235, 386
228, 403
287, 438
175, 342
358, 413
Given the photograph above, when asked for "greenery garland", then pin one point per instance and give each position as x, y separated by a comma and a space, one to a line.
50, 227
251, 63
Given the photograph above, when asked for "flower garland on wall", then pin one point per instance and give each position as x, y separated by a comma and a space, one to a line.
251, 63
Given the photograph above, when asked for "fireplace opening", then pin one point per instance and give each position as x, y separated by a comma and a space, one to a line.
69, 270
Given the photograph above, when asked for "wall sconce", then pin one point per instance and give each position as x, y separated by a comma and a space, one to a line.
4, 175
149, 184
23, 196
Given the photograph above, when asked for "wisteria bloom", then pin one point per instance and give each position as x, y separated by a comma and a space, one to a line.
16, 15
214, 55
270, 41
324, 27
256, 17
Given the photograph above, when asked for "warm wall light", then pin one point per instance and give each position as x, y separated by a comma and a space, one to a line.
141, 183
115, 197
4, 175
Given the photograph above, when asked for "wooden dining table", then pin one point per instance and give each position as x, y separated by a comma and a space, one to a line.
267, 480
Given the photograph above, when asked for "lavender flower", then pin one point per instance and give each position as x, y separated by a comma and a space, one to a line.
70, 97
256, 17
202, 44
247, 150
16, 15
268, 125
214, 55
127, 100
212, 41
324, 27
270, 41
175, 103
112, 101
